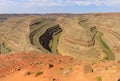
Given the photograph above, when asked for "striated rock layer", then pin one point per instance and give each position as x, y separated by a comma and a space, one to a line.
91, 37
42, 32
79, 41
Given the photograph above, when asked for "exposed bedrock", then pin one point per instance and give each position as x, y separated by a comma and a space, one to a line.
42, 32
79, 41
48, 35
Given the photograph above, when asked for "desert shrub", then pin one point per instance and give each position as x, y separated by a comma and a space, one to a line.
99, 78
28, 73
38, 73
106, 58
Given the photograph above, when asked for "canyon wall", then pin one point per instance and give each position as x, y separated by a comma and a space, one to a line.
42, 32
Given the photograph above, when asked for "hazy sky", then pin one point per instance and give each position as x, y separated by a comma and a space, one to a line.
59, 6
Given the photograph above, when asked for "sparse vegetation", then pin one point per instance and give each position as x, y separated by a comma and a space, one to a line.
54, 43
28, 73
50, 65
83, 52
61, 68
99, 78
109, 54
38, 73
106, 58
103, 43
4, 49
3, 65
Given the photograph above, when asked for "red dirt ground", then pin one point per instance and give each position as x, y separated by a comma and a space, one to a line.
51, 67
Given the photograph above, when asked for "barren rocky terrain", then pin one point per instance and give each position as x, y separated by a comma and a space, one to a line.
50, 67
60, 47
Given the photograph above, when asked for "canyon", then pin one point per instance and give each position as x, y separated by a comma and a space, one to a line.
60, 47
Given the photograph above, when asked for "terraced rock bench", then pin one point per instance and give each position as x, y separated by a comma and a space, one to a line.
78, 40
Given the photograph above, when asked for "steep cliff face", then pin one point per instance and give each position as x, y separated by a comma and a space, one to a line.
49, 35
42, 32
